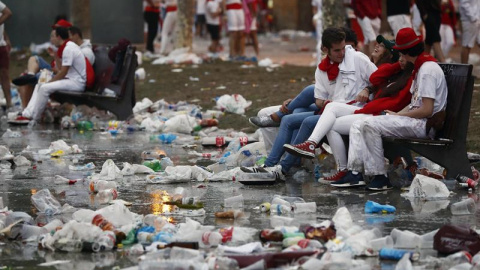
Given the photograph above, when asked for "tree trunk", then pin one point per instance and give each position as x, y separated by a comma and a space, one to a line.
333, 13
184, 24
80, 16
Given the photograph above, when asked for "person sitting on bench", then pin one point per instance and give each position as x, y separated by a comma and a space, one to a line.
71, 77
427, 106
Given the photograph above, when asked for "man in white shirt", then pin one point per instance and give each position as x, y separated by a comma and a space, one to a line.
470, 17
4, 55
71, 77
200, 18
85, 46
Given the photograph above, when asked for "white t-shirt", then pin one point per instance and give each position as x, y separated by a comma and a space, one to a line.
318, 5
212, 7
2, 39
469, 10
430, 83
201, 7
171, 2
346, 86
87, 51
73, 57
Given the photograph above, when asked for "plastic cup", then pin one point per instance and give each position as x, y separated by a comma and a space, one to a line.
405, 239
310, 207
234, 202
380, 243
465, 207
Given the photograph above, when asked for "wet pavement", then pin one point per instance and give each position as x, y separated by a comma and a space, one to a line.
17, 186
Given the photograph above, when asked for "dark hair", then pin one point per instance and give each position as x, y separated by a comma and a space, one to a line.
62, 32
397, 82
415, 50
386, 57
332, 35
75, 31
350, 35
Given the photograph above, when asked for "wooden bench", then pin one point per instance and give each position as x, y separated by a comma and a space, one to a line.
122, 104
448, 149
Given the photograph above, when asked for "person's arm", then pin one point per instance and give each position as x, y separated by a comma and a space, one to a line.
6, 13
394, 103
60, 74
320, 103
424, 111
382, 74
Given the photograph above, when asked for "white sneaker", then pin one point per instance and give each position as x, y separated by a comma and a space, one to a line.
275, 170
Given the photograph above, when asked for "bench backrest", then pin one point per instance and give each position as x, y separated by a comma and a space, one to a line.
103, 68
460, 88
127, 73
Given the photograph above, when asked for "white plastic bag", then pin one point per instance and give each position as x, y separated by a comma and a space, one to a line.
233, 103
180, 123
427, 188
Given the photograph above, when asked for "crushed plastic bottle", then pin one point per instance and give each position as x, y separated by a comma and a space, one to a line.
105, 242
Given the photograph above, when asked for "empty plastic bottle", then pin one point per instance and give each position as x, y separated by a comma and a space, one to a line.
99, 185
105, 196
279, 209
105, 242
373, 207
299, 207
60, 180
84, 125
102, 223
154, 165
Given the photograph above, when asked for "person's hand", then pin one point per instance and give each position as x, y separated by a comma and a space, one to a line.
388, 112
284, 108
362, 96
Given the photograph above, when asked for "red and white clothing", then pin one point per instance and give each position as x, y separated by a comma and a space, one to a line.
168, 29
368, 14
212, 7
235, 15
470, 18
449, 20
366, 148
75, 80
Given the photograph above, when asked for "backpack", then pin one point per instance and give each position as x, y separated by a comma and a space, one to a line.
90, 74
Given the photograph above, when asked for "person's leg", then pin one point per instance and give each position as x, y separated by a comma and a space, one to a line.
26, 92
40, 96
253, 35
307, 125
464, 55
287, 126
268, 133
469, 34
167, 28
241, 43
152, 21
4, 77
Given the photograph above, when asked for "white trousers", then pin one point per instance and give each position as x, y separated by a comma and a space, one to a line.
370, 28
398, 22
366, 148
269, 134
40, 96
448, 38
235, 20
168, 32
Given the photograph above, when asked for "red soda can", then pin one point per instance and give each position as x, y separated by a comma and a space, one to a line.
219, 141
466, 180
243, 140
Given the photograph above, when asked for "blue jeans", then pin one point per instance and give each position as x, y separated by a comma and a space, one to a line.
306, 129
303, 102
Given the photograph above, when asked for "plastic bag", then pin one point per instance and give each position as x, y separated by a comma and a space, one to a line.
233, 103
427, 188
180, 123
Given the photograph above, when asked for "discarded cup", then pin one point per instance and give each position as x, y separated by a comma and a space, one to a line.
405, 239
379, 243
310, 207
465, 207
234, 202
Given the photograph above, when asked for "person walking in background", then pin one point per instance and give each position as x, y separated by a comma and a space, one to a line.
470, 18
151, 16
250, 9
430, 11
447, 28
213, 13
368, 14
236, 27
200, 20
4, 54
168, 28
398, 15
318, 23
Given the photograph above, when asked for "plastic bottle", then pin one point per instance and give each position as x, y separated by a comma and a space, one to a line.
310, 243
105, 196
105, 242
470, 183
279, 200
373, 207
60, 180
299, 207
234, 202
154, 165
165, 162
226, 233
291, 200
99, 185
397, 254
279, 209
211, 238
265, 207
84, 125
102, 223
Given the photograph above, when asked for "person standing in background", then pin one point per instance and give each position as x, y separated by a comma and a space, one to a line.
470, 17
317, 21
368, 14
4, 54
200, 21
430, 11
398, 14
447, 28
151, 16
236, 27
250, 9
168, 28
213, 13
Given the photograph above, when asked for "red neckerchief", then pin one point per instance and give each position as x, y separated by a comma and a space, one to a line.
331, 69
422, 58
61, 48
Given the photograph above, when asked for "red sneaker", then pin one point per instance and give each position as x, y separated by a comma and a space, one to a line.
330, 179
305, 149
